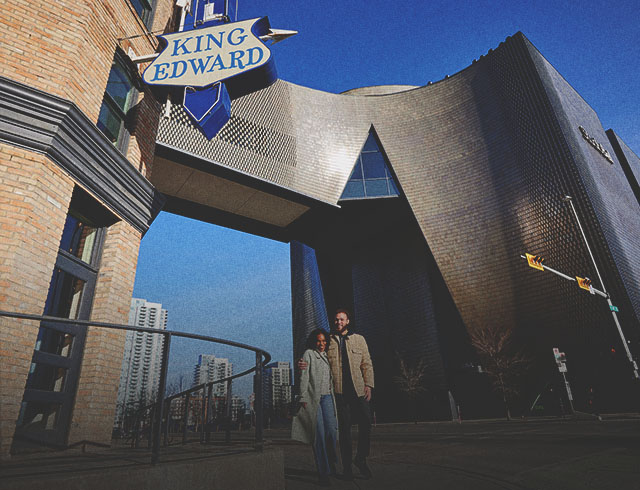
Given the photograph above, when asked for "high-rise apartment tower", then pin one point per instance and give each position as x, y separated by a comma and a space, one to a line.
142, 358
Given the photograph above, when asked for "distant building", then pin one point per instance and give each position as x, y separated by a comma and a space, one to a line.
142, 359
238, 408
211, 368
276, 386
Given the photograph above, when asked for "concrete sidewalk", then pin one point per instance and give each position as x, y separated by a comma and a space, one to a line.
190, 467
531, 455
540, 454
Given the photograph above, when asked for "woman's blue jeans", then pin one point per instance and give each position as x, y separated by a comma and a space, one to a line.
326, 435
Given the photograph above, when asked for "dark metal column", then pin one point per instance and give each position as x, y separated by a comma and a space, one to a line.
157, 421
207, 435
227, 437
257, 403
185, 417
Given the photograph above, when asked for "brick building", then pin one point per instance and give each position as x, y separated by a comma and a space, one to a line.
76, 143
437, 189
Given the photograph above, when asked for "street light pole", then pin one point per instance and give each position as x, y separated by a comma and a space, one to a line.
569, 199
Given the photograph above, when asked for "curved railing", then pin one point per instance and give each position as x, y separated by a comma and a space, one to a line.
158, 412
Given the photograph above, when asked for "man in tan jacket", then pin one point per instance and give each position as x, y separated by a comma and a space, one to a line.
352, 373
352, 384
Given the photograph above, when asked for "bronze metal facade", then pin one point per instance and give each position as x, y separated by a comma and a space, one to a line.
483, 160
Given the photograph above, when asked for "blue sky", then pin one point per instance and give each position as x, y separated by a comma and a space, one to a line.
228, 284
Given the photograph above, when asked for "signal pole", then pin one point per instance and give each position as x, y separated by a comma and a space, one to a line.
612, 308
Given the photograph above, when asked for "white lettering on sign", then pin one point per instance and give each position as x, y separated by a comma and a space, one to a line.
205, 56
601, 149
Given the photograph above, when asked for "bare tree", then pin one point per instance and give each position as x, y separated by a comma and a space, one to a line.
411, 382
500, 360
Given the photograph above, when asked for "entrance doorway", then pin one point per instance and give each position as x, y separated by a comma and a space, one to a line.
46, 410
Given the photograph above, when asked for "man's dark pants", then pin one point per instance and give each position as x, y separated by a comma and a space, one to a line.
348, 405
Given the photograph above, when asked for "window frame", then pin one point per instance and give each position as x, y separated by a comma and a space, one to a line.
389, 178
110, 104
147, 10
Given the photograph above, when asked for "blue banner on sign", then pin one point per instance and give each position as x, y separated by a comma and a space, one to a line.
209, 107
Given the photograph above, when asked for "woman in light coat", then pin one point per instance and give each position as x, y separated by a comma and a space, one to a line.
316, 420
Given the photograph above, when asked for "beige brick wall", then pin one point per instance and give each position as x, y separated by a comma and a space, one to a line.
34, 198
95, 404
68, 49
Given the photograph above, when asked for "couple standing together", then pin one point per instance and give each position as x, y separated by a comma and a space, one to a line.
336, 379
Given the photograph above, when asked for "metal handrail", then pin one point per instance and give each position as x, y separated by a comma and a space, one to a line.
262, 359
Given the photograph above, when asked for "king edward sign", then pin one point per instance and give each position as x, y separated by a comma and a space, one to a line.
214, 63
208, 55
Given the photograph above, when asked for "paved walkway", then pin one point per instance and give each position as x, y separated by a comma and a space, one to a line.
549, 454
523, 455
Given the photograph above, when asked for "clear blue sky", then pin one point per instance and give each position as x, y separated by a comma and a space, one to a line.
228, 284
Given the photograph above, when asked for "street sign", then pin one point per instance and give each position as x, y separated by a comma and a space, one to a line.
614, 308
535, 261
584, 283
562, 367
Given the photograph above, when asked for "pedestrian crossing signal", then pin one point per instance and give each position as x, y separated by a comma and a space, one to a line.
535, 261
584, 283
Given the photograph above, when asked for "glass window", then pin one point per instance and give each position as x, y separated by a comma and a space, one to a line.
54, 342
143, 8
116, 103
372, 170
38, 415
374, 166
46, 377
79, 238
370, 144
377, 188
53, 377
357, 171
65, 295
354, 189
119, 86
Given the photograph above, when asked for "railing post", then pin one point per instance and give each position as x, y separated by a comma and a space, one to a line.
167, 418
136, 431
207, 436
185, 417
157, 421
148, 428
257, 403
227, 437
203, 413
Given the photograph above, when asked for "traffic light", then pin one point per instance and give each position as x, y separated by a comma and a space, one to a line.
535, 261
584, 283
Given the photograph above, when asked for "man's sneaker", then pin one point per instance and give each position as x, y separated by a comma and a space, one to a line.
364, 469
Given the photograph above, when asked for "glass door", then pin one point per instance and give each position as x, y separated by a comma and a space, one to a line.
47, 405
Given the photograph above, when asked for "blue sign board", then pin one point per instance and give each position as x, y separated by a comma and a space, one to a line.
215, 61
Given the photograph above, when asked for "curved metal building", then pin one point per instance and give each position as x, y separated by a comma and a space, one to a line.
413, 205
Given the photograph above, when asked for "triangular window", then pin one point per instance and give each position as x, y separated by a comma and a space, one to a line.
371, 176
